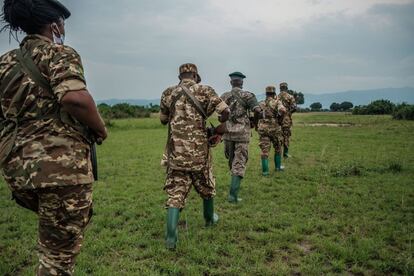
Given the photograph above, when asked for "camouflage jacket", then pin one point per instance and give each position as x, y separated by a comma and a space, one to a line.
238, 126
270, 123
44, 151
289, 102
188, 144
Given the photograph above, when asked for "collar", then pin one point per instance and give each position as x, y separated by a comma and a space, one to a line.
188, 81
34, 37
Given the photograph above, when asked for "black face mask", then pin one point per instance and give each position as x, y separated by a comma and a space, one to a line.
270, 94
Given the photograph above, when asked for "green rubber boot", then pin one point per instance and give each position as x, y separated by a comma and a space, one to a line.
172, 233
210, 217
234, 189
265, 166
278, 163
286, 152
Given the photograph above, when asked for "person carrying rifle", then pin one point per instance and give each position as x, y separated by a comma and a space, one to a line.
238, 131
48, 121
287, 122
270, 129
185, 108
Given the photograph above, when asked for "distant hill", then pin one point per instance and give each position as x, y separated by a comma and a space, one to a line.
357, 97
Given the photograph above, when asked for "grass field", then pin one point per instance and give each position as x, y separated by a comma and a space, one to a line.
344, 205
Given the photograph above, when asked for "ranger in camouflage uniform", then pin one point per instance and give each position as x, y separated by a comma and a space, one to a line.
188, 153
237, 137
290, 104
270, 129
44, 147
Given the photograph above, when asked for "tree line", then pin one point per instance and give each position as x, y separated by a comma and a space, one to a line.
125, 110
402, 111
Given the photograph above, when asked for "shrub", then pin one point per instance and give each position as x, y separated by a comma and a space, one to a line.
378, 107
316, 106
403, 112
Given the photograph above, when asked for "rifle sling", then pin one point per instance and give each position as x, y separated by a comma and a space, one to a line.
194, 102
30, 68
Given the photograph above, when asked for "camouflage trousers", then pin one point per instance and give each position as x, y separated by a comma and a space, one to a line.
238, 154
287, 132
265, 144
178, 185
64, 213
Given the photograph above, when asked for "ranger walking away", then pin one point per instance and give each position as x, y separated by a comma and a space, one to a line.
289, 102
238, 131
48, 121
185, 108
270, 129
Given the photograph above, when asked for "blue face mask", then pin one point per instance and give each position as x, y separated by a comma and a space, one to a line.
58, 39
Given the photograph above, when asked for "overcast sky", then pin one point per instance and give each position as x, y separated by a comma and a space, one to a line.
132, 48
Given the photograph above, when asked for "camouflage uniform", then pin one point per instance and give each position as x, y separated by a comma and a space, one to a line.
46, 163
189, 158
269, 128
290, 104
238, 133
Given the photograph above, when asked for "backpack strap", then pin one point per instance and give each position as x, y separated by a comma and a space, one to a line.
239, 99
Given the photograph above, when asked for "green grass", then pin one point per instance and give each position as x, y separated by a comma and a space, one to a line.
344, 205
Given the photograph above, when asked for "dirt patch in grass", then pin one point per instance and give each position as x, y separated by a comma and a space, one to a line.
305, 247
328, 124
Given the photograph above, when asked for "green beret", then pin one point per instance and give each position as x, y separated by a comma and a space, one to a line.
237, 75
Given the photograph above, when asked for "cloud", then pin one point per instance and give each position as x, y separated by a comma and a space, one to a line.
132, 49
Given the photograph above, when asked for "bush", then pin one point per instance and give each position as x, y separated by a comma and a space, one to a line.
335, 107
316, 106
379, 107
124, 110
346, 106
403, 112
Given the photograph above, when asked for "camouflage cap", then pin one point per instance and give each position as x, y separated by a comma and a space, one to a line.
270, 89
237, 75
188, 68
283, 84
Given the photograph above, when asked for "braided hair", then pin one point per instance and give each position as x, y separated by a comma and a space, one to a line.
31, 16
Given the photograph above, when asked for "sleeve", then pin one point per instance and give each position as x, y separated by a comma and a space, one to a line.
293, 104
252, 102
164, 108
215, 102
279, 105
66, 72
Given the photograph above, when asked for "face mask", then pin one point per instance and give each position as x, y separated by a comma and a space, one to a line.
58, 39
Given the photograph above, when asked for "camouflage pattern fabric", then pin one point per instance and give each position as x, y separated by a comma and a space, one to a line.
289, 102
237, 154
45, 151
48, 167
287, 133
179, 183
188, 143
238, 126
266, 142
269, 127
64, 212
287, 122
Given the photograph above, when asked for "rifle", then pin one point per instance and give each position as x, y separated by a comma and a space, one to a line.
94, 158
